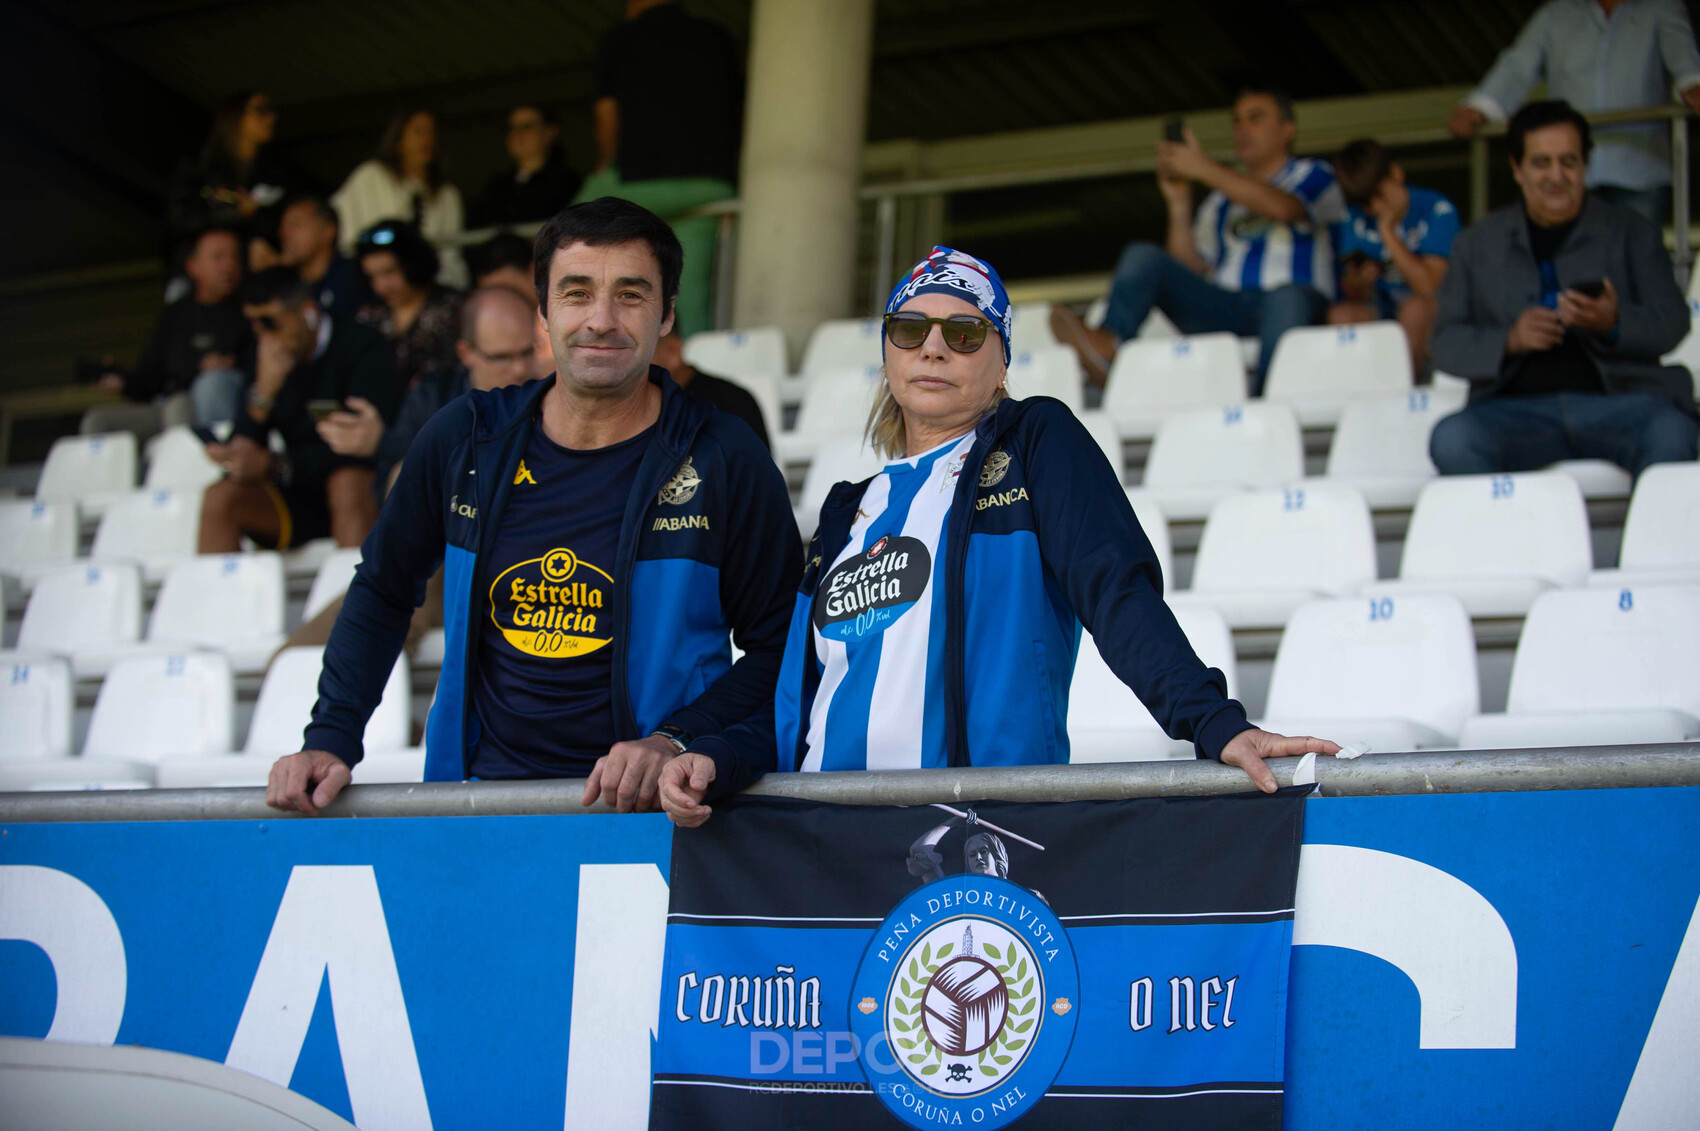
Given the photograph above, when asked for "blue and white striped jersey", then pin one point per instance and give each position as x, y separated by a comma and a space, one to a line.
1247, 252
877, 623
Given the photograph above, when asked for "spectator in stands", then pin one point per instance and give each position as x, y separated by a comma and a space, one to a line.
727, 396
540, 183
1558, 309
496, 348
879, 672
235, 179
304, 363
404, 181
307, 238
189, 372
668, 118
419, 317
1601, 55
1393, 246
1257, 259
503, 260
614, 533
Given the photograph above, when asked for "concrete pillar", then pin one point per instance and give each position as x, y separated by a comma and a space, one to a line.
803, 133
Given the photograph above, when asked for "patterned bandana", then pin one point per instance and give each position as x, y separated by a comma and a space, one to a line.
958, 274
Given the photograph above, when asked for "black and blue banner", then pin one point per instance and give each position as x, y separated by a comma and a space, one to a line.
1117, 963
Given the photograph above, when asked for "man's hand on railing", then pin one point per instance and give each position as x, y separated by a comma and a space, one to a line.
306, 782
1465, 121
628, 776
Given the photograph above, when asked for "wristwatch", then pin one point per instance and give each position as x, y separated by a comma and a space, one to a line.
259, 402
678, 736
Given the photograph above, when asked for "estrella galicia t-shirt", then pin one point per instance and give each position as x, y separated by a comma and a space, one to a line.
878, 623
542, 683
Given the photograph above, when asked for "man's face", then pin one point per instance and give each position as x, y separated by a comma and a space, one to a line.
605, 312
529, 136
294, 328
1392, 199
384, 273
1552, 174
215, 266
302, 234
501, 350
1261, 135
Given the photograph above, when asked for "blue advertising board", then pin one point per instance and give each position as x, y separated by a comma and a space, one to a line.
1519, 959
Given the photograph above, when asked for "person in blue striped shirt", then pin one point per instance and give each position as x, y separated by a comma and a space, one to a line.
1256, 259
942, 601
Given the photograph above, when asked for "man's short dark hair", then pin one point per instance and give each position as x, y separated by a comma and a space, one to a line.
1283, 100
1540, 115
413, 252
276, 284
215, 230
550, 117
320, 206
1360, 168
600, 223
504, 249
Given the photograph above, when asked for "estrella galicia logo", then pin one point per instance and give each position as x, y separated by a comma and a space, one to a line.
867, 592
964, 1006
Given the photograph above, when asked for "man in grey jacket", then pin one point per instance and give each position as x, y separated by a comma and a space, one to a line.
1558, 309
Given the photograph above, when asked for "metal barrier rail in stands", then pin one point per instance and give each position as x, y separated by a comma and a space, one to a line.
1429, 772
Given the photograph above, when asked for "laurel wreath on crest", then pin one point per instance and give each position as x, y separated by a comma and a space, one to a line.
911, 987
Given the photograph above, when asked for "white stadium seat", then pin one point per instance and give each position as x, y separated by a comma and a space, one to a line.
1153, 379
1106, 720
89, 613
1598, 478
157, 528
765, 390
74, 774
304, 560
1601, 666
1380, 447
35, 701
1661, 537
1687, 351
1319, 370
739, 353
291, 687
1389, 673
1265, 553
1199, 457
35, 537
335, 574
848, 343
89, 471
1048, 371
836, 403
1155, 523
432, 647
1030, 327
225, 771
1102, 429
1156, 324
160, 706
232, 602
1497, 541
843, 459
178, 460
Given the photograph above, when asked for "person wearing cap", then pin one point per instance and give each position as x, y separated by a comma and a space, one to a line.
941, 602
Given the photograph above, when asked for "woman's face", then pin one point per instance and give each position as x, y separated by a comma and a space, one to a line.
259, 120
938, 389
418, 141
388, 283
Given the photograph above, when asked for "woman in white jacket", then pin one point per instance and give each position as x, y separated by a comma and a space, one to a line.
405, 182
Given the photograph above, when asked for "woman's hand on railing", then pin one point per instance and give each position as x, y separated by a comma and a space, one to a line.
1249, 748
684, 783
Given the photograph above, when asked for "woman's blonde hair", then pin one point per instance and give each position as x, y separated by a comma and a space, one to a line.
889, 436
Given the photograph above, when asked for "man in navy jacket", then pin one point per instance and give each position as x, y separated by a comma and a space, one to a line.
601, 534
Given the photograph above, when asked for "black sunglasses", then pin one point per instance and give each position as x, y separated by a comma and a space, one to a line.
963, 333
266, 322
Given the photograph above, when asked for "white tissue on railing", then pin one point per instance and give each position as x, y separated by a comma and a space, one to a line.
1306, 772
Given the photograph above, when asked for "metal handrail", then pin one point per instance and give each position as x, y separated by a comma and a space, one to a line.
1424, 772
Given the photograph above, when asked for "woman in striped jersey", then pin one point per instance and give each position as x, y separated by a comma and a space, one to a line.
941, 607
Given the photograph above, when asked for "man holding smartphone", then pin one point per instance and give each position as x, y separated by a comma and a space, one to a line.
1558, 309
306, 366
1256, 258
